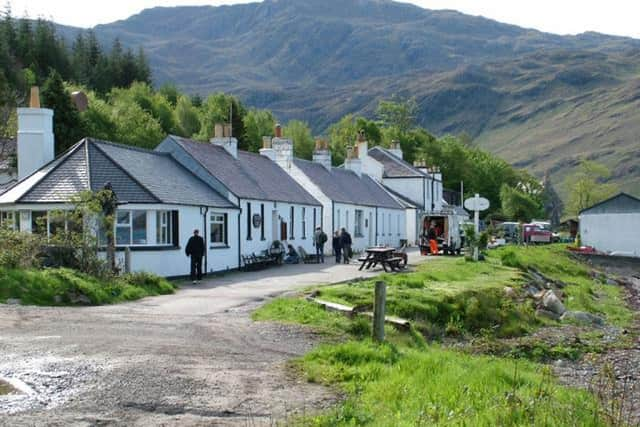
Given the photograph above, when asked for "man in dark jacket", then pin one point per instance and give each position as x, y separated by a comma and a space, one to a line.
195, 249
345, 239
337, 246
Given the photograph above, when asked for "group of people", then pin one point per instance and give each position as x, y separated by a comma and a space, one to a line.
341, 245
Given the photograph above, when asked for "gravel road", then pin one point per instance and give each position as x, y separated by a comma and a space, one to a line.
193, 358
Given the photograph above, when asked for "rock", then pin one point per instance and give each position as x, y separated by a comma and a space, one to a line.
79, 299
611, 282
57, 299
552, 303
14, 301
541, 312
509, 292
548, 285
583, 318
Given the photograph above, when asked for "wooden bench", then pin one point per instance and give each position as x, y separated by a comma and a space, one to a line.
305, 257
394, 262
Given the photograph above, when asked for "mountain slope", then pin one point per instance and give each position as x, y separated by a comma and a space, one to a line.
539, 100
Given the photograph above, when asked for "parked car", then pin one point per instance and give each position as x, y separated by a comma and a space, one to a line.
536, 233
509, 231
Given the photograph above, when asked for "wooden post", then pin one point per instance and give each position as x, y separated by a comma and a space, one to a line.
379, 311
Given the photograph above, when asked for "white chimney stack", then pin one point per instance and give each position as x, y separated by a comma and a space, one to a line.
222, 137
321, 154
396, 150
353, 162
283, 148
267, 150
35, 136
363, 146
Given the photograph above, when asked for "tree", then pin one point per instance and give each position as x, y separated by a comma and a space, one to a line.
553, 206
134, 126
68, 128
187, 117
303, 142
398, 113
341, 135
518, 205
257, 124
587, 186
216, 109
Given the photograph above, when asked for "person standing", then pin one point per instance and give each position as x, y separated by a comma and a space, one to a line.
345, 240
319, 239
195, 249
337, 246
433, 240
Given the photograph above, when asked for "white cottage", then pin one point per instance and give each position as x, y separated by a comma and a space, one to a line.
350, 198
160, 202
273, 205
613, 226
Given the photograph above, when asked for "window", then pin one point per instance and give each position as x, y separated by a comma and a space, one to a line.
218, 227
398, 225
131, 228
262, 222
249, 224
339, 222
10, 220
163, 228
293, 213
358, 223
346, 219
315, 222
304, 223
382, 222
390, 232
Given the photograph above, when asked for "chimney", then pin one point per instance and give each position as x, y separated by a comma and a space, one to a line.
222, 137
422, 167
396, 149
267, 150
321, 154
35, 136
362, 146
283, 149
353, 162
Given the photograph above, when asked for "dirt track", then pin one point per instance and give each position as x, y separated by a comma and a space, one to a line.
194, 358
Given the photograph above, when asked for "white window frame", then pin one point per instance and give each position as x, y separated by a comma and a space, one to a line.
217, 218
164, 225
398, 225
130, 226
13, 217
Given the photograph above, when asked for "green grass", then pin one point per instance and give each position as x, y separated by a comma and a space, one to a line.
388, 386
407, 382
446, 295
57, 286
583, 292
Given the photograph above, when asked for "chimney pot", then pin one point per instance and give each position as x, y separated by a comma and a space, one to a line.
34, 100
361, 136
278, 131
218, 131
227, 130
266, 142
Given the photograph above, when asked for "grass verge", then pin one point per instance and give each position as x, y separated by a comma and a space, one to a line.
63, 286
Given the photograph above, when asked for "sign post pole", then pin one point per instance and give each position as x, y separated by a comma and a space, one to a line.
476, 204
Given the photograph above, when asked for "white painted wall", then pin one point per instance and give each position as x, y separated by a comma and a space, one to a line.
618, 233
411, 188
283, 212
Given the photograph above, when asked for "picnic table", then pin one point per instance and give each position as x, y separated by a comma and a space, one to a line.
383, 256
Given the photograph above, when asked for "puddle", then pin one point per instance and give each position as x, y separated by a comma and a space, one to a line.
6, 388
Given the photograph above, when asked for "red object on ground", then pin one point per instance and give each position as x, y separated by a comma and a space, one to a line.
434, 246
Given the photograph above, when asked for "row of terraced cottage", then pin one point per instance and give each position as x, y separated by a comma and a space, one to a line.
240, 201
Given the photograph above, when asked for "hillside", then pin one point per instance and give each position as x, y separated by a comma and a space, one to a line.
537, 99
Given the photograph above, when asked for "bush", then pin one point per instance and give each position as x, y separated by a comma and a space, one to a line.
18, 250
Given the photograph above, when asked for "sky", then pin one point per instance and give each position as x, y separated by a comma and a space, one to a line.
618, 17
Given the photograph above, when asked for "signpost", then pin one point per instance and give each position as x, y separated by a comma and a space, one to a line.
476, 204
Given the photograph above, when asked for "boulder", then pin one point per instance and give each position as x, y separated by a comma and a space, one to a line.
14, 301
552, 303
79, 299
582, 317
509, 292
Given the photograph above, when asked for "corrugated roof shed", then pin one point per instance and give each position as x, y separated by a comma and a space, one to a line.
345, 186
621, 203
250, 176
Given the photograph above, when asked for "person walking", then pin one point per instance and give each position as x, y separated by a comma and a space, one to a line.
319, 239
336, 243
345, 240
195, 249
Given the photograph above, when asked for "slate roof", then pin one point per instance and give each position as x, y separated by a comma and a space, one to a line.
4, 187
344, 186
620, 203
137, 176
405, 202
394, 167
250, 176
8, 148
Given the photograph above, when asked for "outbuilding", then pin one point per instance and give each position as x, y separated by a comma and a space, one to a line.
613, 226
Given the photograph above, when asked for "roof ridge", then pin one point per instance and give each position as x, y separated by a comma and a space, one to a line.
127, 147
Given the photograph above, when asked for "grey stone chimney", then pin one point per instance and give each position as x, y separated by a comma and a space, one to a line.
321, 154
222, 137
